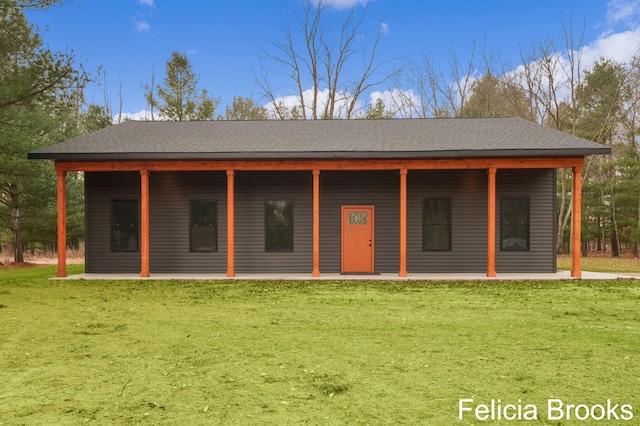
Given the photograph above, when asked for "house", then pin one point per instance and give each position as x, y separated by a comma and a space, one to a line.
332, 196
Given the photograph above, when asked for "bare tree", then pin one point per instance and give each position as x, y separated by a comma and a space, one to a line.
551, 76
438, 93
426, 97
101, 81
319, 63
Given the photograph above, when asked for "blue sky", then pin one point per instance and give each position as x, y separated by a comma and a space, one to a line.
224, 38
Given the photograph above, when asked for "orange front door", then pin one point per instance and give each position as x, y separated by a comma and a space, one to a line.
357, 239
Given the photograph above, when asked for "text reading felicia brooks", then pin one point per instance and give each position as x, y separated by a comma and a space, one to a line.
555, 410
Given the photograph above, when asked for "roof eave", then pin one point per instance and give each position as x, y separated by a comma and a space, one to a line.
343, 155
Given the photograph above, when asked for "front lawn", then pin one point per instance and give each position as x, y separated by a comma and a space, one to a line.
595, 263
316, 352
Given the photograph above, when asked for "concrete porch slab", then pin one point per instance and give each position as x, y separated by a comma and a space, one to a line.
560, 275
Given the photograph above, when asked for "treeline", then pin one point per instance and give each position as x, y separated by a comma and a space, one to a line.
42, 103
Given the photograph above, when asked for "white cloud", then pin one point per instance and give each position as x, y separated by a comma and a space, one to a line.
343, 4
146, 2
402, 103
384, 28
142, 26
623, 10
142, 115
291, 101
619, 47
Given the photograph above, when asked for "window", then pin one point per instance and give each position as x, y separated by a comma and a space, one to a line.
203, 225
514, 224
357, 218
124, 225
436, 224
278, 235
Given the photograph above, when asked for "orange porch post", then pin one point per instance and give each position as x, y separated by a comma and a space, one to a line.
316, 223
231, 271
491, 224
144, 237
62, 223
576, 222
403, 223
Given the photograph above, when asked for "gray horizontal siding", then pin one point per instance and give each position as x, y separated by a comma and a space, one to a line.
171, 192
100, 189
252, 189
376, 188
170, 195
169, 199
467, 190
537, 184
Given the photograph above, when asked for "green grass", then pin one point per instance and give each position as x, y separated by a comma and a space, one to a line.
18, 275
603, 264
295, 353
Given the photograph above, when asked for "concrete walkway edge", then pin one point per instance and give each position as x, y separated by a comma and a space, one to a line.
560, 275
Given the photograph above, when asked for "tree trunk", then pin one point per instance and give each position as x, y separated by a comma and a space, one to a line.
563, 217
18, 253
615, 239
636, 252
615, 248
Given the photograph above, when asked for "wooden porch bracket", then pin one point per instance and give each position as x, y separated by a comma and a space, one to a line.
144, 233
62, 223
231, 268
316, 223
491, 223
403, 223
576, 222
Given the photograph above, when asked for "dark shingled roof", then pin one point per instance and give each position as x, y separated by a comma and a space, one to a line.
322, 139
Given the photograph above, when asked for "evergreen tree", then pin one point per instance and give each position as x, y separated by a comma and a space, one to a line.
602, 96
492, 97
40, 94
378, 111
245, 109
179, 99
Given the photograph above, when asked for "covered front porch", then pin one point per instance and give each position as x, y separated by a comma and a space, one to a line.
315, 168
